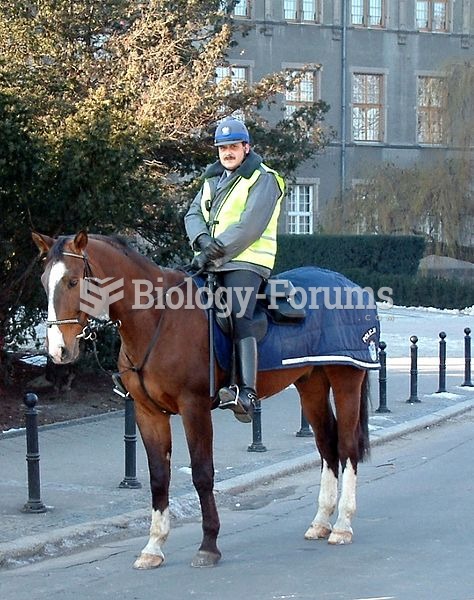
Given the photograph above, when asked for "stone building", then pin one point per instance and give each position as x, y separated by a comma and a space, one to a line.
378, 64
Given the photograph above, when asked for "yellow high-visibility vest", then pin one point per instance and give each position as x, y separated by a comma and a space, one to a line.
263, 251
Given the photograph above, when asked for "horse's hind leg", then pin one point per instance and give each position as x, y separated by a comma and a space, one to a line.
314, 393
156, 434
346, 383
198, 427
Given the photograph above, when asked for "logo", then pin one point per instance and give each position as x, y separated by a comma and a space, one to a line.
226, 130
368, 334
97, 295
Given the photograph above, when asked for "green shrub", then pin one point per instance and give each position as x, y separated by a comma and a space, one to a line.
417, 290
372, 253
376, 261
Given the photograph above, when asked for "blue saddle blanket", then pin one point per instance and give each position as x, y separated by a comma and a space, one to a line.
341, 326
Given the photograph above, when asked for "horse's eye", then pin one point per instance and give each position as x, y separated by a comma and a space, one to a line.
73, 282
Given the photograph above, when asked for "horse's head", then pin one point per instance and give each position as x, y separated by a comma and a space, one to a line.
66, 264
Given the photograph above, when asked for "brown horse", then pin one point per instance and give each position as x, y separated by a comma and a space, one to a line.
167, 375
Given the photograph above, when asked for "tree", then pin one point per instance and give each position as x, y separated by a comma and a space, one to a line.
108, 107
433, 199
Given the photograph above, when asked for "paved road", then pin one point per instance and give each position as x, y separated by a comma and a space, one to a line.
413, 539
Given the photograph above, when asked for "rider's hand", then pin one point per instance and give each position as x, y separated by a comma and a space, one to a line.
199, 261
213, 248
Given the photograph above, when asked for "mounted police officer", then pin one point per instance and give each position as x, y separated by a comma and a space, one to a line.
232, 224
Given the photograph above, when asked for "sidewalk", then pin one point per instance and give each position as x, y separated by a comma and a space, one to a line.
82, 462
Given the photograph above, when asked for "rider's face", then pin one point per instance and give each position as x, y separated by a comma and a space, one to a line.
232, 155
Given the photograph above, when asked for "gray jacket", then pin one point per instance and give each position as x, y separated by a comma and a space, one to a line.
261, 203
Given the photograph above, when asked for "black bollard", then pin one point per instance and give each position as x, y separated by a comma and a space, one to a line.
305, 430
467, 359
257, 445
442, 363
130, 480
413, 371
383, 380
34, 504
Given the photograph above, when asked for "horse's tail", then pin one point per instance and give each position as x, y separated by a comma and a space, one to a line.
364, 443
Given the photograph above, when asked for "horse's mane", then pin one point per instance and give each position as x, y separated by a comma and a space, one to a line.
122, 245
116, 241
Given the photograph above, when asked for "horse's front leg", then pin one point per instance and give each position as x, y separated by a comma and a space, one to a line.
198, 427
156, 434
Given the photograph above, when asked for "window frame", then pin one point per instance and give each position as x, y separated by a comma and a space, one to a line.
365, 107
248, 9
430, 114
298, 101
246, 67
304, 220
430, 5
299, 13
366, 15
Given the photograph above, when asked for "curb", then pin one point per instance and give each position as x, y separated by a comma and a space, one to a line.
183, 508
9, 433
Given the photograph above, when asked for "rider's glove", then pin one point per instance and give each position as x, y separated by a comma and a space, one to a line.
213, 248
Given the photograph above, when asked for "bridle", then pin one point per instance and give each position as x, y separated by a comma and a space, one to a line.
87, 331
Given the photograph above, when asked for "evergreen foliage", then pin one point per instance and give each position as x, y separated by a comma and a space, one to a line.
376, 262
370, 253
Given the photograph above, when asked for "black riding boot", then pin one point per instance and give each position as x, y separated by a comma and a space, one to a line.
240, 399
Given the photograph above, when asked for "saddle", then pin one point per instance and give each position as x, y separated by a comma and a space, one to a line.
279, 301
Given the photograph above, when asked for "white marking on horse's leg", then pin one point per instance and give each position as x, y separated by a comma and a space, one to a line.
152, 555
55, 337
342, 531
321, 526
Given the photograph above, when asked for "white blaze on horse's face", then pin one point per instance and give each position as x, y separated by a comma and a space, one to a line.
55, 339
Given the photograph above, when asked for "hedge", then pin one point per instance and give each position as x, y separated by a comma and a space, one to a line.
372, 253
376, 262
417, 290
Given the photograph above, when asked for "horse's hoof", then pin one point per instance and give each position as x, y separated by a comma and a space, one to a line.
340, 537
317, 532
148, 561
205, 559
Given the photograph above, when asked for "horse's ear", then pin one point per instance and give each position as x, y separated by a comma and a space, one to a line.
44, 242
80, 241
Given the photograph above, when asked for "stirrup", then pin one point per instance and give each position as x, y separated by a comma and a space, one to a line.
119, 388
230, 398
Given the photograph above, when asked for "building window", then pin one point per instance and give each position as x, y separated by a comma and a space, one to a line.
301, 204
367, 107
432, 15
242, 9
239, 8
301, 10
368, 13
237, 74
431, 103
304, 92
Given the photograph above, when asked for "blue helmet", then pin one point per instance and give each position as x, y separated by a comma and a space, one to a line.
229, 131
